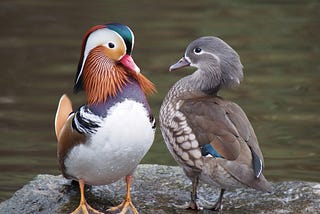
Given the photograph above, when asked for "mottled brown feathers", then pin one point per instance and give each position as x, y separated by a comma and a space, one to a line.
103, 77
221, 123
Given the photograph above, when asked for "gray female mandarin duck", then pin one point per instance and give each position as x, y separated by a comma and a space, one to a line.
211, 138
105, 139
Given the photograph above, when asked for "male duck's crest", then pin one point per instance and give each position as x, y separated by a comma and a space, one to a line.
125, 33
106, 64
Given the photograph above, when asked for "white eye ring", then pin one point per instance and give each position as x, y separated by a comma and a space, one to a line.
197, 51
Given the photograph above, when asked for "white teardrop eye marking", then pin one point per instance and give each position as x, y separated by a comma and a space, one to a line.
197, 51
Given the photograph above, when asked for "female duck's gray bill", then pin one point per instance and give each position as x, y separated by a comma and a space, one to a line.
183, 62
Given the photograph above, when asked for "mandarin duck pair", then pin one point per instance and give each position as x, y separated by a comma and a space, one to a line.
105, 139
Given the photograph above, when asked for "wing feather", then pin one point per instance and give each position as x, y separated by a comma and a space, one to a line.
223, 125
62, 114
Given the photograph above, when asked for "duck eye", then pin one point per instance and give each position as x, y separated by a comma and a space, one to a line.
111, 45
197, 50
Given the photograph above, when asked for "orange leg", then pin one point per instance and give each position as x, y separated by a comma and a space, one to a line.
84, 207
127, 201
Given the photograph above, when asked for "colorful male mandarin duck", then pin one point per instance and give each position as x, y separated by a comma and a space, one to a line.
210, 137
105, 139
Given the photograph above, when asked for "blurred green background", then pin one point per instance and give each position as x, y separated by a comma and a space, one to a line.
279, 45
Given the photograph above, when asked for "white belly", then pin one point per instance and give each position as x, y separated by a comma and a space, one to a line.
116, 148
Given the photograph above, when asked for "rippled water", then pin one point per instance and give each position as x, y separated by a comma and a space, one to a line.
279, 45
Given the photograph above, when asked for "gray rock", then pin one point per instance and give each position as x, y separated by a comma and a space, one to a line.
155, 190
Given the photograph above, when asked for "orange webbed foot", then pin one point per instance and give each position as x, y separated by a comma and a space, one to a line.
84, 207
123, 207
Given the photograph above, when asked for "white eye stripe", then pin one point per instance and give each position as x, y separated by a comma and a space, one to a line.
98, 37
201, 53
215, 56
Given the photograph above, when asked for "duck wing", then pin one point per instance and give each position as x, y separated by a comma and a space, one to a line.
223, 131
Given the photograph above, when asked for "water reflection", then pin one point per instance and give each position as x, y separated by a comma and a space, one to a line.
278, 44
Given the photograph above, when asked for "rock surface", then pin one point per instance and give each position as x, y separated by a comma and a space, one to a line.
155, 190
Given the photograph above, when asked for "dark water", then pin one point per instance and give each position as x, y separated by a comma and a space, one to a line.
279, 45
